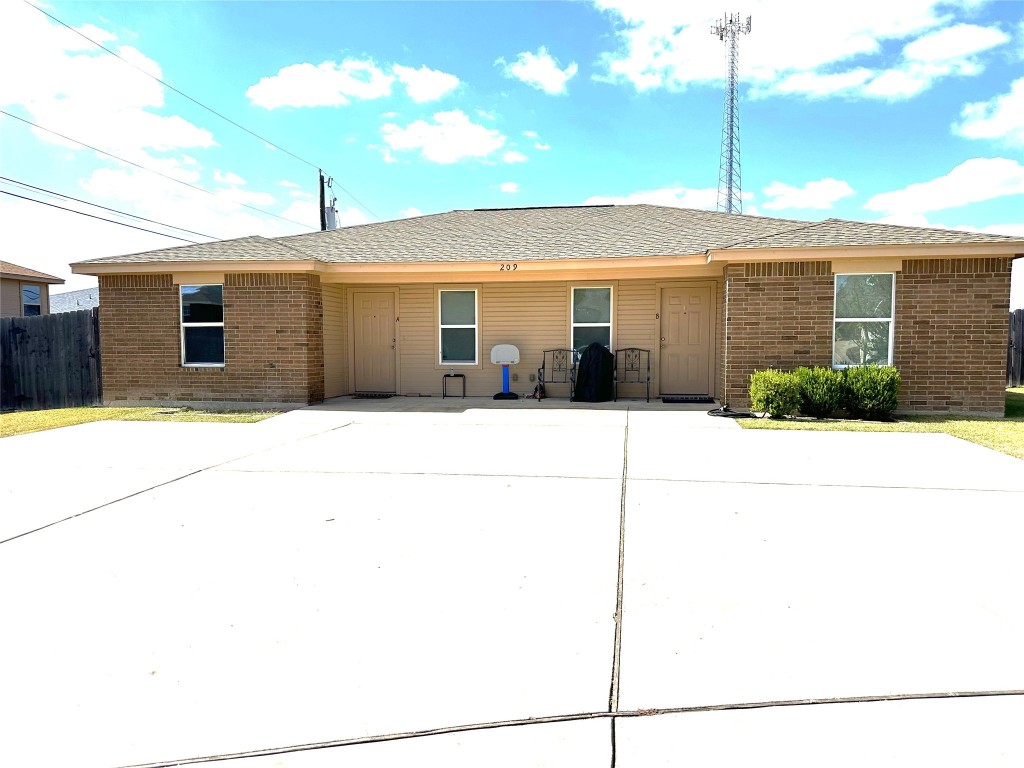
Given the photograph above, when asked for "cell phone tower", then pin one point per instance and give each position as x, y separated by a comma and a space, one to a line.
729, 186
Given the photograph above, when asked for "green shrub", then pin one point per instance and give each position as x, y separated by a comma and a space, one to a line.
774, 392
872, 392
821, 391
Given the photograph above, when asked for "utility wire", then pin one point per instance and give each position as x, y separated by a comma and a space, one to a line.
101, 218
573, 718
149, 170
105, 208
195, 101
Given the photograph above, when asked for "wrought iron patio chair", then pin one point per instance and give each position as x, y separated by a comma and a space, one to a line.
633, 366
558, 366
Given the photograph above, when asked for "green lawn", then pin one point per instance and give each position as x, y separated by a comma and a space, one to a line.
20, 422
1003, 434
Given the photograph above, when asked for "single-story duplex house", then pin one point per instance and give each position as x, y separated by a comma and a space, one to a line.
392, 307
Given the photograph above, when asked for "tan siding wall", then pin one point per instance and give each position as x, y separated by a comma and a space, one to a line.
336, 351
417, 343
532, 316
637, 326
10, 298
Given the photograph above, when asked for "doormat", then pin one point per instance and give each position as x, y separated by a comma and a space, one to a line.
687, 399
375, 395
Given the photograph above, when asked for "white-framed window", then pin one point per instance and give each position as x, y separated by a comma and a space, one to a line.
591, 316
457, 318
31, 301
202, 325
863, 324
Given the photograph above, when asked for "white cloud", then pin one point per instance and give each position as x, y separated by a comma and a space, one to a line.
530, 134
1001, 117
324, 85
66, 83
222, 177
668, 45
350, 217
541, 146
425, 84
509, 187
946, 52
512, 156
815, 84
450, 138
411, 212
304, 211
819, 195
675, 197
91, 96
289, 184
540, 70
973, 181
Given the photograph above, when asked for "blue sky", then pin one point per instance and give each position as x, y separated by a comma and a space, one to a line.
907, 112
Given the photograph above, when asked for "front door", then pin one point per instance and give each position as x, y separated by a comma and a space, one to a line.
686, 341
374, 337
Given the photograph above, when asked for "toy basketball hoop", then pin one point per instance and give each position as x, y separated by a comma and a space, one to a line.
505, 355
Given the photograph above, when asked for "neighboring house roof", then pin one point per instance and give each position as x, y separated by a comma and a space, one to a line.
7, 269
576, 232
72, 301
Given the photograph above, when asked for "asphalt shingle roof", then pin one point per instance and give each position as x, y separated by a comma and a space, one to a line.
841, 232
7, 269
72, 301
580, 232
252, 248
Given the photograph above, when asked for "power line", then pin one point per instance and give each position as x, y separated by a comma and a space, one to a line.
105, 208
101, 218
613, 716
196, 101
149, 170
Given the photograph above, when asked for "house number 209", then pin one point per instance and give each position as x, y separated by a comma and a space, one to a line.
508, 268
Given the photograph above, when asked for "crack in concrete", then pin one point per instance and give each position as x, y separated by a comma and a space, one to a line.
168, 482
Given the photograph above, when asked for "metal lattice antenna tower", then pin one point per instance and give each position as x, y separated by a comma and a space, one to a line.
729, 187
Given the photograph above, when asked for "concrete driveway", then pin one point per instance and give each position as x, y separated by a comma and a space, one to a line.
361, 569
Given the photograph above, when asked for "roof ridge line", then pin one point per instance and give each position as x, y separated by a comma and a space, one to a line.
787, 230
277, 241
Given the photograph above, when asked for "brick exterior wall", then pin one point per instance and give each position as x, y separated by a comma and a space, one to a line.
778, 315
949, 342
951, 334
273, 341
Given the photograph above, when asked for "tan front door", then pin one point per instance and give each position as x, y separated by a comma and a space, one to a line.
374, 335
686, 341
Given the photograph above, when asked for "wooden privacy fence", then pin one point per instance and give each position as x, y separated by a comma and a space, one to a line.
52, 361
1015, 350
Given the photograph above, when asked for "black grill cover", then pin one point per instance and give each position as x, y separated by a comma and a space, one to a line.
595, 375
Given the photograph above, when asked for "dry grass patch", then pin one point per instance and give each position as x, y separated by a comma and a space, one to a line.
1004, 434
21, 422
